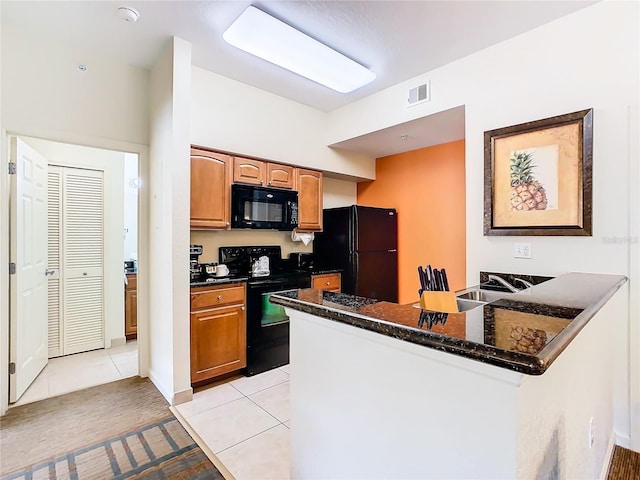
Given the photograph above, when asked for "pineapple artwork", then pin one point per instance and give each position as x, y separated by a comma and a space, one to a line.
527, 192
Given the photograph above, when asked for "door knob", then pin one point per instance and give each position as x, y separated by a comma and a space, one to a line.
49, 272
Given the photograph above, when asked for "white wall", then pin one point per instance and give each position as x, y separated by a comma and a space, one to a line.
169, 222
588, 59
44, 95
339, 193
44, 92
231, 116
112, 163
130, 207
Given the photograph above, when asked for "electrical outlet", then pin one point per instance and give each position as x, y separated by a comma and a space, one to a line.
521, 250
592, 432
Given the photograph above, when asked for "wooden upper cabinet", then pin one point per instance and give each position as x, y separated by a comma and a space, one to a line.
281, 176
309, 185
211, 176
249, 171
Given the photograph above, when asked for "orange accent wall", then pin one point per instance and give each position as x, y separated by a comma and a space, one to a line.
427, 187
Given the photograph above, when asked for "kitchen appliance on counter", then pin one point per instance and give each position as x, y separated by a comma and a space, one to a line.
265, 208
302, 260
195, 270
267, 324
363, 243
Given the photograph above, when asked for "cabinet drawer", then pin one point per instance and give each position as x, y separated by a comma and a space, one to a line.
215, 297
329, 281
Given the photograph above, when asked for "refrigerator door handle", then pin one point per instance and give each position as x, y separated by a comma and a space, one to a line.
392, 250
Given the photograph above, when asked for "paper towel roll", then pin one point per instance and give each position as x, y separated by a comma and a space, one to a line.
304, 237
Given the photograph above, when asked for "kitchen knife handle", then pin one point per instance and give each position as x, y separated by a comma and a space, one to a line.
445, 281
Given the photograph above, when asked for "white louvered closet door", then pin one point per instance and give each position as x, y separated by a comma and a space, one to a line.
80, 305
54, 241
82, 265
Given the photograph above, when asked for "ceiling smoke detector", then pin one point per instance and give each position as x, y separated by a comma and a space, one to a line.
128, 14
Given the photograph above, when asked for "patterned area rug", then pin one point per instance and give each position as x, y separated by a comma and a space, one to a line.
34, 447
163, 450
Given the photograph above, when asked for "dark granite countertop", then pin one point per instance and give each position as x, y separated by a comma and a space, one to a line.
215, 281
323, 271
524, 332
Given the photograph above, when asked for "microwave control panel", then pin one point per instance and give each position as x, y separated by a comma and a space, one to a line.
294, 212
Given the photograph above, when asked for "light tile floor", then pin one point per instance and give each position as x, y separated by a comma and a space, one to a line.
245, 423
82, 370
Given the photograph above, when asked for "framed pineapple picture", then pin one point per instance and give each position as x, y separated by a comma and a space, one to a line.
538, 177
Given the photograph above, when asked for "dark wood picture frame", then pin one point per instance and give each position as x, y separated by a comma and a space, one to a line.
516, 201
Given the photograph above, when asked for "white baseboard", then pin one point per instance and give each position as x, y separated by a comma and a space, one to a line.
623, 441
203, 446
161, 388
608, 455
118, 342
182, 397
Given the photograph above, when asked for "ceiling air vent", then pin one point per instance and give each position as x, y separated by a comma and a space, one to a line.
419, 94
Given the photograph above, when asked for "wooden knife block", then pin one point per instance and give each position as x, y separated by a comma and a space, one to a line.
439, 301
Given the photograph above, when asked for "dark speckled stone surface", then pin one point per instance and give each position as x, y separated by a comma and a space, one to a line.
524, 332
218, 281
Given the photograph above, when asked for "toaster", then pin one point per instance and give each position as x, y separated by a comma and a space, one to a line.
302, 261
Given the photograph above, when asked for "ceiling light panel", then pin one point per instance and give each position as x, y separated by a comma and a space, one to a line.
266, 37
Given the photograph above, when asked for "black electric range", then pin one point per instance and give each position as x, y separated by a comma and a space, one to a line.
267, 324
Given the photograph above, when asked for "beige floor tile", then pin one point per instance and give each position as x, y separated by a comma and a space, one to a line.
250, 385
77, 362
127, 368
231, 423
98, 374
131, 347
274, 400
38, 390
263, 457
208, 399
285, 368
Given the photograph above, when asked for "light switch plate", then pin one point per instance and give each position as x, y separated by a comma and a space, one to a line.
521, 250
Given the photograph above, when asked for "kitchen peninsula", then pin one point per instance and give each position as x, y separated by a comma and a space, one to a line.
378, 390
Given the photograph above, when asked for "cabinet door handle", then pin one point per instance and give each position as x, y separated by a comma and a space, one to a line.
219, 297
227, 224
328, 283
242, 308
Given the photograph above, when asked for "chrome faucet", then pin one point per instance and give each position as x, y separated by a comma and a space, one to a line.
523, 282
503, 282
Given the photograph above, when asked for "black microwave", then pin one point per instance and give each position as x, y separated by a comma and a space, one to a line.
261, 207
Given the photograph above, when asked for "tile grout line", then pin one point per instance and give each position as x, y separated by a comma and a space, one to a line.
265, 410
262, 389
246, 439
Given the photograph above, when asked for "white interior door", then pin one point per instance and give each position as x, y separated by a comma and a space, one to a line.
28, 324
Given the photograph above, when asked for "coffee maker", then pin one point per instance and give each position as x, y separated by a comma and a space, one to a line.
194, 264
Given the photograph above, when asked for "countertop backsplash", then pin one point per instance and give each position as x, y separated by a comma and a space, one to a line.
211, 241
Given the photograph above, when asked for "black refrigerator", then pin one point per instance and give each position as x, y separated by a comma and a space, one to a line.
363, 243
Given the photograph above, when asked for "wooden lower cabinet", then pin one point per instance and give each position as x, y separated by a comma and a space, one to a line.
131, 306
218, 331
331, 282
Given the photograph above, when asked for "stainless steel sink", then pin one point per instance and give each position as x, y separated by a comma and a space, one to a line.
482, 295
464, 304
